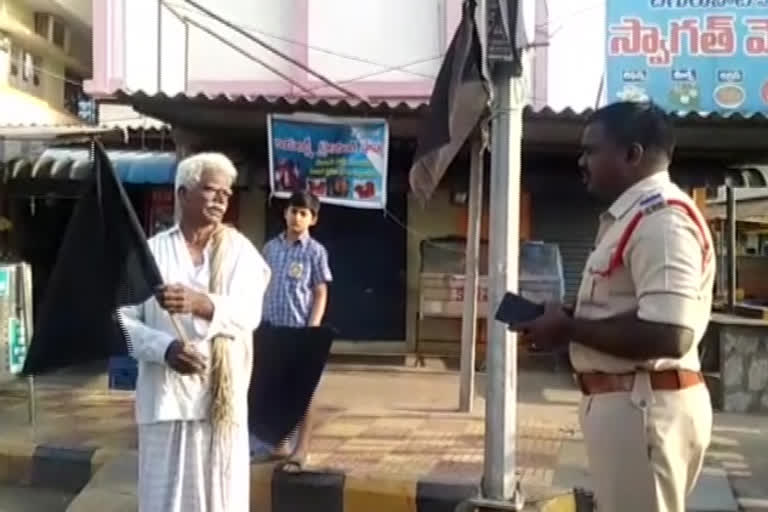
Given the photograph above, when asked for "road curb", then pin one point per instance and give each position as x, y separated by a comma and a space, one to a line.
50, 465
73, 468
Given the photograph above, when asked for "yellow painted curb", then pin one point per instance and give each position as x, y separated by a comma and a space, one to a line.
261, 487
367, 494
565, 503
16, 462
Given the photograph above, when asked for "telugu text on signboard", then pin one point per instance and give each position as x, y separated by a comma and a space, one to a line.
689, 55
342, 161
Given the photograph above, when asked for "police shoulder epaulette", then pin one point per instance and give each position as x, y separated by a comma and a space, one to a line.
653, 203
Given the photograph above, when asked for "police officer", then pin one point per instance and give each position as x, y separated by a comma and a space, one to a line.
642, 309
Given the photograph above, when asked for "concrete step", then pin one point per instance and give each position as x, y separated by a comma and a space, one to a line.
19, 498
112, 488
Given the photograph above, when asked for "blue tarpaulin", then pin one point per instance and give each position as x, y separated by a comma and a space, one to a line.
137, 167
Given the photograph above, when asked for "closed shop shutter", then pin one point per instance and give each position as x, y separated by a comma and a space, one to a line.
572, 224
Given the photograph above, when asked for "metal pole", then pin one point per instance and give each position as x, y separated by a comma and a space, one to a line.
731, 246
500, 414
722, 275
186, 56
471, 273
32, 405
159, 45
24, 313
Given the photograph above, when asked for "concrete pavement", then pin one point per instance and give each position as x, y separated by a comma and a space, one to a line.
385, 439
28, 499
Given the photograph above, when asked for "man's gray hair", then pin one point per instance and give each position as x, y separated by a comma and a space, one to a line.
190, 171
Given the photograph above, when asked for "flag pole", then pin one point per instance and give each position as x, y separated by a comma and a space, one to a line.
180, 332
471, 274
500, 481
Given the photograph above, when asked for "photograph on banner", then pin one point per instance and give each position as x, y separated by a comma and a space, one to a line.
342, 161
689, 56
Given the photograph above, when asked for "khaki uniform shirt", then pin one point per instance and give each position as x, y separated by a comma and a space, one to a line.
666, 275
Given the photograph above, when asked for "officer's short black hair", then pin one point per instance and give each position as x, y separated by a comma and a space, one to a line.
305, 199
644, 123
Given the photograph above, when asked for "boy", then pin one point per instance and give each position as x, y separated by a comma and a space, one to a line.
298, 292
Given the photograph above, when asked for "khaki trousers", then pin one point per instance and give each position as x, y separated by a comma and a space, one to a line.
646, 448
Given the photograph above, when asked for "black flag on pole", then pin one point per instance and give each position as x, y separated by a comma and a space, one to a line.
287, 366
462, 89
104, 263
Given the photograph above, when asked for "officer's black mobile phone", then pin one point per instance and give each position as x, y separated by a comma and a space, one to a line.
515, 309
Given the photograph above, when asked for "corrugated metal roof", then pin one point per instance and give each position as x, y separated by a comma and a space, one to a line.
383, 106
51, 132
390, 105
146, 124
45, 132
571, 114
124, 117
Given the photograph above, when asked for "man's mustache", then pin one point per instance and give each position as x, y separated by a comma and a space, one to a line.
216, 208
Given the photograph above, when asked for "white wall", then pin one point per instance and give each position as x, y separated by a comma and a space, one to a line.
172, 74
390, 33
213, 60
141, 45
370, 36
575, 53
141, 48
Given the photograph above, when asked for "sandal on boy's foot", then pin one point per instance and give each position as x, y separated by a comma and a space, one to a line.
293, 465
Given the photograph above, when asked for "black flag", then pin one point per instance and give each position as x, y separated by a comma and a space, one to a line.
287, 366
462, 89
104, 263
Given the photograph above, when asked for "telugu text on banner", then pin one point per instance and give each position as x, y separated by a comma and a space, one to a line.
342, 161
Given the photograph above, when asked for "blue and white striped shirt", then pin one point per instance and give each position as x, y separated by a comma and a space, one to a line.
297, 268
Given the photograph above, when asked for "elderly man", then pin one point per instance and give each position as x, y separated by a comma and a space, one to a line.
186, 464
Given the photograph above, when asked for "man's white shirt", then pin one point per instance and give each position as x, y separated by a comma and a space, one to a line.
161, 393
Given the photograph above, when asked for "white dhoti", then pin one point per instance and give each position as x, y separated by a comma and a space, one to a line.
177, 465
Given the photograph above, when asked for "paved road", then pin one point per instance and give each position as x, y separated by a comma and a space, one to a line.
26, 499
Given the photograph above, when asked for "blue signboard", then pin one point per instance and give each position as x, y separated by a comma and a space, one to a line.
689, 55
342, 161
